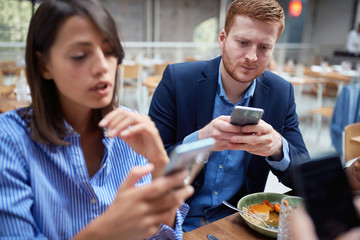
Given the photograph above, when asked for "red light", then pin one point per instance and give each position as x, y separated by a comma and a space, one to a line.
295, 8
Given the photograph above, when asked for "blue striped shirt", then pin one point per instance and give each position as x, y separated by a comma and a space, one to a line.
46, 191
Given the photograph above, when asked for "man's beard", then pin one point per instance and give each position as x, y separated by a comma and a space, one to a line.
231, 69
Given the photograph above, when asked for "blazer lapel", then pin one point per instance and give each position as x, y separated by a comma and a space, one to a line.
261, 95
205, 93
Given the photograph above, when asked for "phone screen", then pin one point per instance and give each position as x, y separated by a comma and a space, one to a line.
242, 116
190, 157
328, 198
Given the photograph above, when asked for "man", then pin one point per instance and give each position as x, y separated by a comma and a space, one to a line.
353, 41
194, 100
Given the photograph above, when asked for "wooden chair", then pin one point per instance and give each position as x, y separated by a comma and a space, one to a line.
190, 59
6, 90
352, 141
318, 115
150, 85
130, 78
323, 111
159, 68
8, 67
18, 71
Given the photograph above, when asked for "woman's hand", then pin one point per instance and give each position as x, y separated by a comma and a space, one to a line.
138, 212
140, 133
302, 226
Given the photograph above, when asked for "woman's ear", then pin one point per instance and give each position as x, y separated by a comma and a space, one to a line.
42, 67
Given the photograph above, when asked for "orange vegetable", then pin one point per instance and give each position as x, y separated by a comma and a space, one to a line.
267, 203
277, 207
286, 202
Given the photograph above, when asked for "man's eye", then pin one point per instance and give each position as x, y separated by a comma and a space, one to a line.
243, 42
264, 47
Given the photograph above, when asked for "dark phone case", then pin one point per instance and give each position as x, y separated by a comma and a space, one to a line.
328, 198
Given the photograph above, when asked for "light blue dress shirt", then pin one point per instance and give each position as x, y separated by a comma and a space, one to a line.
224, 174
46, 191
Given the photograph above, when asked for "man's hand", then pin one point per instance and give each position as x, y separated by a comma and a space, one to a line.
221, 130
260, 139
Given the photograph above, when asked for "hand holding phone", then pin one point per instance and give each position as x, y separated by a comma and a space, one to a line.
328, 199
242, 116
190, 157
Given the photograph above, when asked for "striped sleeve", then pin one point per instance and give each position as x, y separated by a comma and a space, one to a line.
166, 232
16, 194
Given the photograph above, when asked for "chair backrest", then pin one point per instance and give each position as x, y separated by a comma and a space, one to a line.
6, 90
190, 59
8, 67
160, 68
352, 141
129, 75
18, 71
131, 71
151, 83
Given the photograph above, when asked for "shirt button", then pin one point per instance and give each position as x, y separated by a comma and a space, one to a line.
216, 193
93, 200
220, 166
104, 166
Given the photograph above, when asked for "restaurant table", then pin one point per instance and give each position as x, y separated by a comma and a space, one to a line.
299, 84
333, 75
8, 103
329, 77
229, 228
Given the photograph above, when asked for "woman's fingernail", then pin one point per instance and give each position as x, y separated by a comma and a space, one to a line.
111, 133
124, 133
103, 122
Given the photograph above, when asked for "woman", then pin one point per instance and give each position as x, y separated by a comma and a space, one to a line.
61, 176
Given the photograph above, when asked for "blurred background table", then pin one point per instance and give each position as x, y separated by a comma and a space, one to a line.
228, 228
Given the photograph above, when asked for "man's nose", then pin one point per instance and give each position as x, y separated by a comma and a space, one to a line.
251, 54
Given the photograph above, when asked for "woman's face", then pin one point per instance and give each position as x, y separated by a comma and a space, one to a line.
83, 65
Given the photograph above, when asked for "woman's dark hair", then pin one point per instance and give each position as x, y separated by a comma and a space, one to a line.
45, 118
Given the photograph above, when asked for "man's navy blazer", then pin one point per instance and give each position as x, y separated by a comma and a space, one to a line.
183, 103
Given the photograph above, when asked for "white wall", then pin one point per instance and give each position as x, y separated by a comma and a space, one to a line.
332, 21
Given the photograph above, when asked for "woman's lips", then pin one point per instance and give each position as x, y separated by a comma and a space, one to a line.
101, 89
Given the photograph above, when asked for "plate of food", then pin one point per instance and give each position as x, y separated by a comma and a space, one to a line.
265, 205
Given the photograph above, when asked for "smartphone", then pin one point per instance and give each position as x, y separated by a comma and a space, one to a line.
242, 116
190, 157
322, 182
